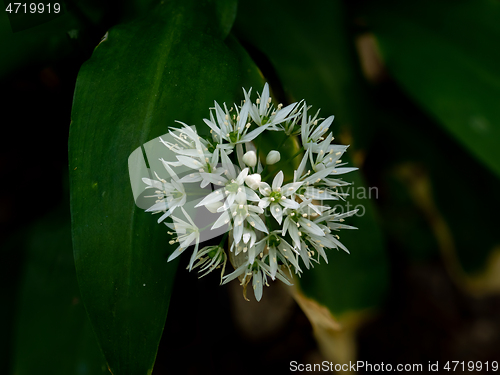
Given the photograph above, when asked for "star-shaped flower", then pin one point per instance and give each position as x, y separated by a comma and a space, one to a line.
277, 196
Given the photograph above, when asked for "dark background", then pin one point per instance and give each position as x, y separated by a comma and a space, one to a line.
437, 209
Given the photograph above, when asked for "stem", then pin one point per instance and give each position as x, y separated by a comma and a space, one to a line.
223, 239
298, 153
283, 141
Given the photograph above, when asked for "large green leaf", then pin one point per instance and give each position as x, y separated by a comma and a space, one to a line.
169, 65
53, 333
313, 57
443, 54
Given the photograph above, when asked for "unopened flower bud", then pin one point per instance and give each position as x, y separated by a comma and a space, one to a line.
250, 159
253, 181
273, 157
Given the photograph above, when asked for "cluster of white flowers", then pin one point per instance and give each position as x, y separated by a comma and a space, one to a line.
271, 226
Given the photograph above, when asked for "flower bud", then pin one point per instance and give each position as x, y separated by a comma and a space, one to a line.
212, 207
253, 181
273, 157
250, 159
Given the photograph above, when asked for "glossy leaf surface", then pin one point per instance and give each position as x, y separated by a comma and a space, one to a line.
169, 65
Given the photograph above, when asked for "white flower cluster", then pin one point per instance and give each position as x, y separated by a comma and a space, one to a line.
273, 226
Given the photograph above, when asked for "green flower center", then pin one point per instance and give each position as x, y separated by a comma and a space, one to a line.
273, 241
177, 194
295, 216
233, 136
212, 253
232, 187
276, 195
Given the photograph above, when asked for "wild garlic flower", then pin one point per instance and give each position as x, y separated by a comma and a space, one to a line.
170, 195
188, 233
232, 128
264, 112
210, 258
274, 221
278, 197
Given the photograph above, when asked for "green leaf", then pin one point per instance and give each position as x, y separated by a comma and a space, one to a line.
314, 59
169, 65
448, 64
53, 333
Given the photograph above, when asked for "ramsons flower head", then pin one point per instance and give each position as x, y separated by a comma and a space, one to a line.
268, 218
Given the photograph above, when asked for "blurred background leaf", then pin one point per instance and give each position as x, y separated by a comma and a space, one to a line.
443, 54
312, 58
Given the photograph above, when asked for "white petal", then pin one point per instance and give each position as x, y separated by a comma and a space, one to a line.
277, 212
165, 215
229, 201
265, 189
175, 254
241, 177
273, 262
212, 126
343, 170
290, 188
237, 272
222, 220
258, 223
310, 227
227, 164
257, 283
278, 180
264, 202
160, 206
187, 241
282, 113
251, 195
288, 203
238, 229
294, 233
253, 134
263, 100
214, 196
153, 183
243, 116
190, 162
213, 178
